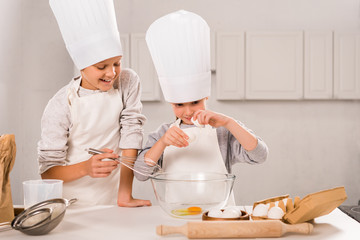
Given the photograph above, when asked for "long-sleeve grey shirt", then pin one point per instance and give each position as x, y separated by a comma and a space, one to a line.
56, 121
231, 150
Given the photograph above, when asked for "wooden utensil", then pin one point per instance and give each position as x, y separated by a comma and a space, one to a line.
234, 229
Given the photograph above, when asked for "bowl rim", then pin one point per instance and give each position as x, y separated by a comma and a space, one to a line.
225, 176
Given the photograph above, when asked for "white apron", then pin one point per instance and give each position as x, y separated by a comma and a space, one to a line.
95, 124
201, 155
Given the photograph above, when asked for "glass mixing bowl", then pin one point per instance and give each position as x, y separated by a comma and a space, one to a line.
189, 195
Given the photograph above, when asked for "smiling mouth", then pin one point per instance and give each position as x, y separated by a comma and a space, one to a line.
106, 80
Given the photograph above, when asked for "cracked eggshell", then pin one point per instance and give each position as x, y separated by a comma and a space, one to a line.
215, 213
231, 212
260, 210
275, 213
196, 123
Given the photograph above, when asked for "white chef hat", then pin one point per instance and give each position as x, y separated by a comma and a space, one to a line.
179, 45
89, 30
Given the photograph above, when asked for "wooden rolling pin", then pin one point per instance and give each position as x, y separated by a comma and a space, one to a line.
234, 229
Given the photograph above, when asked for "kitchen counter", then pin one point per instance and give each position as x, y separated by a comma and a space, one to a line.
112, 222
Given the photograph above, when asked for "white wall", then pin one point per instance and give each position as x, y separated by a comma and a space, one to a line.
11, 63
10, 60
313, 145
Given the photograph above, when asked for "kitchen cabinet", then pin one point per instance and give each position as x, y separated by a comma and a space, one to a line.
288, 65
230, 62
318, 65
254, 65
274, 65
347, 65
142, 63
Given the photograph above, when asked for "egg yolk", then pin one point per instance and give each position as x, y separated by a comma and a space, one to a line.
194, 209
187, 211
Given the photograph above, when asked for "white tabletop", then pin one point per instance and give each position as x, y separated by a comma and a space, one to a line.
112, 222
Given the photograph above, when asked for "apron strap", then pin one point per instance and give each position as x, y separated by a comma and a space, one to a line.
176, 123
73, 89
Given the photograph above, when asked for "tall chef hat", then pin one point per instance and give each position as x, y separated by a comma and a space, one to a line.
89, 30
179, 45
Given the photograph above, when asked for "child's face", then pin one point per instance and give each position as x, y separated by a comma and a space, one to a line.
185, 111
101, 76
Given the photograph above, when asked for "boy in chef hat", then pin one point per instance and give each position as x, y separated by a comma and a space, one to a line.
99, 109
179, 45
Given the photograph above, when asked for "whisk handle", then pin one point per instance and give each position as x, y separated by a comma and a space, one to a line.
94, 151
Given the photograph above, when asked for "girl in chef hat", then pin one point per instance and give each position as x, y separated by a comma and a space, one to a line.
99, 109
179, 44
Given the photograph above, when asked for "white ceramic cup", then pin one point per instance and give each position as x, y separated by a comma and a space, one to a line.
36, 191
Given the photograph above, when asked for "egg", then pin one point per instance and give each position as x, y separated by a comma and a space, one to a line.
275, 213
187, 211
231, 212
215, 213
194, 210
196, 123
260, 210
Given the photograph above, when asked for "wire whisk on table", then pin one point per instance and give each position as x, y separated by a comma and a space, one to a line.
129, 162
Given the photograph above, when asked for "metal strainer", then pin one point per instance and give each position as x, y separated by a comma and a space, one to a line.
42, 217
34, 218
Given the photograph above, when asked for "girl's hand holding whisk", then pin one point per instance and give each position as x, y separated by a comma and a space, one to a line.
127, 161
97, 168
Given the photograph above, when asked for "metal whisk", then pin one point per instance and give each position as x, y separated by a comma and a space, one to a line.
129, 162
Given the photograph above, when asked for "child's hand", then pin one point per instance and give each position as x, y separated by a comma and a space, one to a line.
175, 136
97, 168
212, 118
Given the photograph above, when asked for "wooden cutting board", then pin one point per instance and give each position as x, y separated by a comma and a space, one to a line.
234, 229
